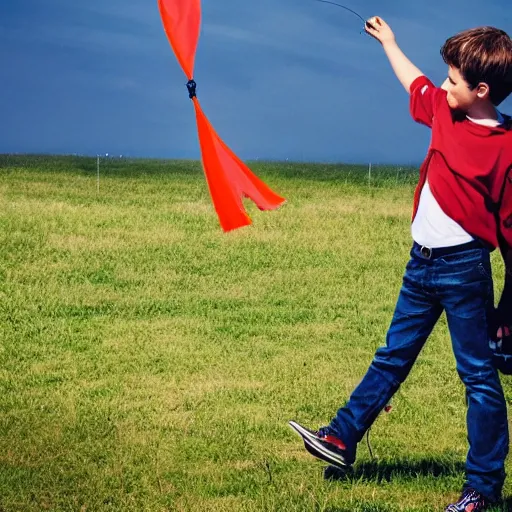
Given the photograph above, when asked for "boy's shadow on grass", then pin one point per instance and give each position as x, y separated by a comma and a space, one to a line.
386, 470
506, 505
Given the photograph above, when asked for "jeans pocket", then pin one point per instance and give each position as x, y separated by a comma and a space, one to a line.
485, 269
461, 258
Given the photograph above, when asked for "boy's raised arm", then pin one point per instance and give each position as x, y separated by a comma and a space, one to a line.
404, 69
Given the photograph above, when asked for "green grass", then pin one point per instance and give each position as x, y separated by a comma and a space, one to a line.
149, 362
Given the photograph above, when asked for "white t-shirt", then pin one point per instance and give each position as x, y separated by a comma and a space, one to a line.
431, 226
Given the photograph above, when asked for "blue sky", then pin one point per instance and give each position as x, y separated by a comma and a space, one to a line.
277, 78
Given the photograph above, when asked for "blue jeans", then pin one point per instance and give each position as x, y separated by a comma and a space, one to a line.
460, 284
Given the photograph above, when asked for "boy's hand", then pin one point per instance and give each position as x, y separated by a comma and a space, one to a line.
502, 324
501, 346
379, 29
504, 331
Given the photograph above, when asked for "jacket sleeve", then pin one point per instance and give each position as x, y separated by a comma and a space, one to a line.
505, 216
424, 96
505, 241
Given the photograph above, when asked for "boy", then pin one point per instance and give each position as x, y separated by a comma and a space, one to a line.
462, 211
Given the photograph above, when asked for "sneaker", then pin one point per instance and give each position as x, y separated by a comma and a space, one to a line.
323, 445
470, 501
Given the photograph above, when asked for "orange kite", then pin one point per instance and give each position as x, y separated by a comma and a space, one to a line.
229, 179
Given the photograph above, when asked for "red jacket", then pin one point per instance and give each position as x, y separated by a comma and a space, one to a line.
468, 165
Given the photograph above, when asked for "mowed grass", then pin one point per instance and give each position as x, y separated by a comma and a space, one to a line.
150, 362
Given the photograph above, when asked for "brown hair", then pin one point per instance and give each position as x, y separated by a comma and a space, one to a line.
482, 54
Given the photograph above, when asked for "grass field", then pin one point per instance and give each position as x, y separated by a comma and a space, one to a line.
149, 362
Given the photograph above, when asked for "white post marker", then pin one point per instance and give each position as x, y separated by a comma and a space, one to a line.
98, 173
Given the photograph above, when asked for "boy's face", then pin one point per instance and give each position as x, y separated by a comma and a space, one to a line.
460, 95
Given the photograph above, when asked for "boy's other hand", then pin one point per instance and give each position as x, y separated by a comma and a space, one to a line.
379, 29
501, 323
504, 332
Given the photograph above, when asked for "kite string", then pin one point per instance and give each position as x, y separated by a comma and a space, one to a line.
343, 7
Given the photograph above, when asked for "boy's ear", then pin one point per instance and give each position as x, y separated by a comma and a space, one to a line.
482, 90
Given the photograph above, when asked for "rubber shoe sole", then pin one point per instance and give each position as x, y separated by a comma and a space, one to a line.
318, 448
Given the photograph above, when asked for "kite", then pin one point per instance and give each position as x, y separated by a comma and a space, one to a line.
229, 179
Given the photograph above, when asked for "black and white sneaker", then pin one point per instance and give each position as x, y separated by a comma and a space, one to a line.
323, 445
470, 501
